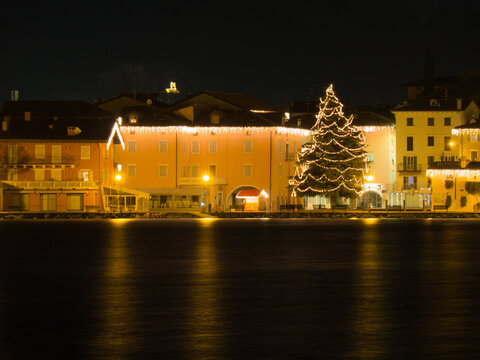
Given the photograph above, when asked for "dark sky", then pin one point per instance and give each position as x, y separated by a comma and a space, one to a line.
275, 51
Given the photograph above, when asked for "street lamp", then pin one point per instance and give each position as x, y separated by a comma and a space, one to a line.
206, 179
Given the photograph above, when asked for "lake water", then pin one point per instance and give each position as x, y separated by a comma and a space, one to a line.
240, 289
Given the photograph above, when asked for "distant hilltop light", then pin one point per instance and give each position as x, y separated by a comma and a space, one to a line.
172, 89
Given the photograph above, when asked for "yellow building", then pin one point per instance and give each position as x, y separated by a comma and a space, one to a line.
424, 136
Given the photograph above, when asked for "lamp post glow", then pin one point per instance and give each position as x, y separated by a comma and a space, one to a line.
118, 177
205, 179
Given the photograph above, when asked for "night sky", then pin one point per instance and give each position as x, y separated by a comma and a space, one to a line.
275, 51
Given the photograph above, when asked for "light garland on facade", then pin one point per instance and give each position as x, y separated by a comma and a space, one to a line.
207, 130
465, 131
453, 173
335, 161
116, 130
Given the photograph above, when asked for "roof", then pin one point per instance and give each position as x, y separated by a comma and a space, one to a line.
473, 165
436, 81
142, 97
234, 118
238, 100
445, 165
472, 124
151, 116
47, 109
51, 120
436, 105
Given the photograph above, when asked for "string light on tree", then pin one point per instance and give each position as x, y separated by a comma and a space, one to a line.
334, 162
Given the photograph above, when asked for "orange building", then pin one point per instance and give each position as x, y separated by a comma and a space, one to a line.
54, 156
239, 142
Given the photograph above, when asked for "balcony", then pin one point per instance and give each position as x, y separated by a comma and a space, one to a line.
409, 168
198, 181
28, 163
50, 185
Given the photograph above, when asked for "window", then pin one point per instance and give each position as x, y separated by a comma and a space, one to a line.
85, 152
371, 157
39, 174
280, 145
184, 146
475, 137
75, 202
247, 170
430, 160
212, 146
39, 151
248, 146
195, 147
409, 143
409, 182
431, 121
447, 143
212, 170
84, 175
474, 155
21, 201
431, 141
132, 170
56, 154
184, 170
410, 163
195, 170
162, 170
132, 146
56, 174
409, 121
280, 168
48, 202
447, 121
163, 146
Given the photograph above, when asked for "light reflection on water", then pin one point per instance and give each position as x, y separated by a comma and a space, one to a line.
235, 289
204, 330
116, 334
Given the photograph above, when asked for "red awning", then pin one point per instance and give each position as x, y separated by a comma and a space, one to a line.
249, 193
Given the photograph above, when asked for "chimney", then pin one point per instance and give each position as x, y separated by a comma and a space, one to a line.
459, 104
14, 95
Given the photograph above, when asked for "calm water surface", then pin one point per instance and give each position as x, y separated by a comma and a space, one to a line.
240, 289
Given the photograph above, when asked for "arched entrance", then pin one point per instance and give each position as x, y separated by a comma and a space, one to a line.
374, 198
237, 204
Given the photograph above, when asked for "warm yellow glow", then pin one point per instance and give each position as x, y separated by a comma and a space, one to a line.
116, 130
453, 172
119, 120
207, 130
451, 143
205, 177
370, 178
119, 167
264, 194
172, 89
118, 177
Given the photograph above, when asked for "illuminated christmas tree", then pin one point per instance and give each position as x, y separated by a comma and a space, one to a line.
334, 162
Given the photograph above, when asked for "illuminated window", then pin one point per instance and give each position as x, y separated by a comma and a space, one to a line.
162, 170
131, 146
85, 152
39, 151
409, 121
195, 147
431, 141
212, 146
371, 157
163, 146
248, 146
247, 170
85, 175
132, 170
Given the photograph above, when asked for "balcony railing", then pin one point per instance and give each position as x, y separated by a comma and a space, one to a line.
290, 156
198, 181
44, 185
412, 168
67, 161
